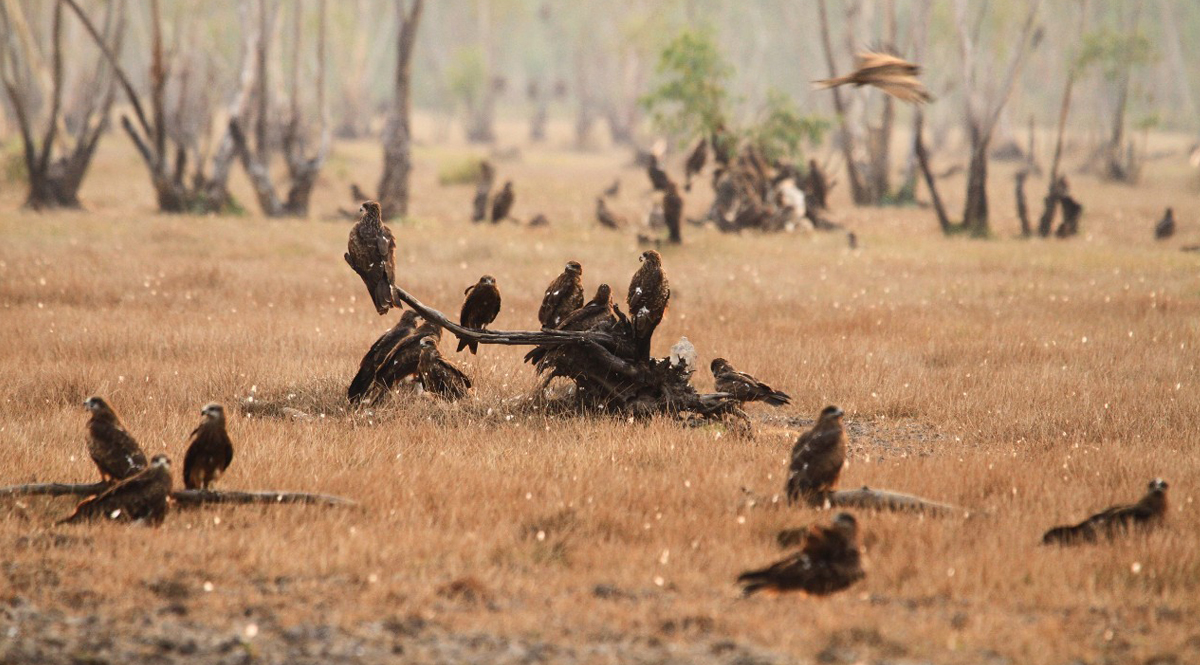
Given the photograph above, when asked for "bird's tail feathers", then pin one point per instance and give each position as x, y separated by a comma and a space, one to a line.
831, 83
778, 398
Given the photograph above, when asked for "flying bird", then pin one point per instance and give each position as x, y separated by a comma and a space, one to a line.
116, 454
1151, 509
658, 177
891, 74
695, 163
503, 203
140, 497
743, 387
438, 376
480, 308
817, 458
649, 293
1166, 226
210, 450
607, 218
563, 296
613, 189
368, 366
828, 561
372, 253
672, 207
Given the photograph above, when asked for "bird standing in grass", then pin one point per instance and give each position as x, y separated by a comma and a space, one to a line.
828, 561
695, 163
607, 218
371, 252
817, 458
116, 454
1166, 226
210, 451
891, 74
744, 387
480, 308
649, 293
503, 203
368, 366
1147, 512
140, 497
438, 376
401, 362
563, 296
672, 207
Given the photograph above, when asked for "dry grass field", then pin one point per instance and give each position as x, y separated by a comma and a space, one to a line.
1031, 383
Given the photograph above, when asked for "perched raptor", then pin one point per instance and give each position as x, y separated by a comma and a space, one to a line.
1152, 508
140, 497
891, 74
480, 308
503, 203
828, 561
563, 296
744, 387
438, 376
695, 163
817, 458
672, 207
596, 312
658, 177
401, 362
1166, 226
372, 253
112, 448
649, 292
607, 218
210, 451
369, 365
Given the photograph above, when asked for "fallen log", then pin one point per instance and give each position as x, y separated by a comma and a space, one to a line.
874, 499
183, 497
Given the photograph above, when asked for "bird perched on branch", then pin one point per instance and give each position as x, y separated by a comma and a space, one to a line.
828, 561
480, 308
607, 218
817, 458
438, 376
371, 252
503, 203
596, 312
744, 387
658, 177
210, 451
116, 454
1166, 226
649, 293
1151, 509
695, 163
891, 74
140, 497
563, 296
367, 368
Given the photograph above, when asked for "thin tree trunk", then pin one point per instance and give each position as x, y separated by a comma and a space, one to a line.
1117, 167
397, 142
1046, 221
930, 181
857, 191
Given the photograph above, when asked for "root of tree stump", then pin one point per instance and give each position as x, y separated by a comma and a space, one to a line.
183, 497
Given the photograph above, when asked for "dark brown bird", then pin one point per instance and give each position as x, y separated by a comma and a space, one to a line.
480, 308
695, 163
607, 218
483, 189
744, 387
371, 252
539, 219
596, 312
817, 458
613, 189
140, 497
672, 207
649, 293
503, 203
828, 561
1148, 511
112, 448
563, 296
368, 366
891, 74
658, 177
1166, 226
210, 451
438, 376
401, 362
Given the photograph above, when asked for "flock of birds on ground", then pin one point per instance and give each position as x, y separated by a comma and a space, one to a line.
827, 558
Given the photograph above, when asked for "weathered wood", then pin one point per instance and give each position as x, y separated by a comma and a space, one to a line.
183, 497
876, 499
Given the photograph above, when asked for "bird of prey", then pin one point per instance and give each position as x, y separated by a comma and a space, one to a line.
1166, 226
503, 203
613, 189
891, 74
483, 189
852, 240
438, 376
743, 387
649, 293
140, 497
607, 218
817, 458
563, 296
658, 177
402, 360
370, 363
596, 312
695, 163
1113, 521
672, 207
480, 308
371, 251
210, 450
539, 219
828, 561
112, 448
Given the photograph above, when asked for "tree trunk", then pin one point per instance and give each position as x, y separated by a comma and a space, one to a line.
1117, 166
975, 212
397, 137
857, 191
1022, 203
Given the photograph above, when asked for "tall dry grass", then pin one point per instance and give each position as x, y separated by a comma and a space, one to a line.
1030, 382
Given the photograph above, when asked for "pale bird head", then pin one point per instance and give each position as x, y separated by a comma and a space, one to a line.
1158, 485
831, 413
575, 267
213, 411
95, 404
160, 461
487, 279
427, 343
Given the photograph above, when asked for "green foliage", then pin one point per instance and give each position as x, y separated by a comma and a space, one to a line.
467, 75
459, 172
782, 132
1112, 52
12, 162
691, 97
1148, 122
